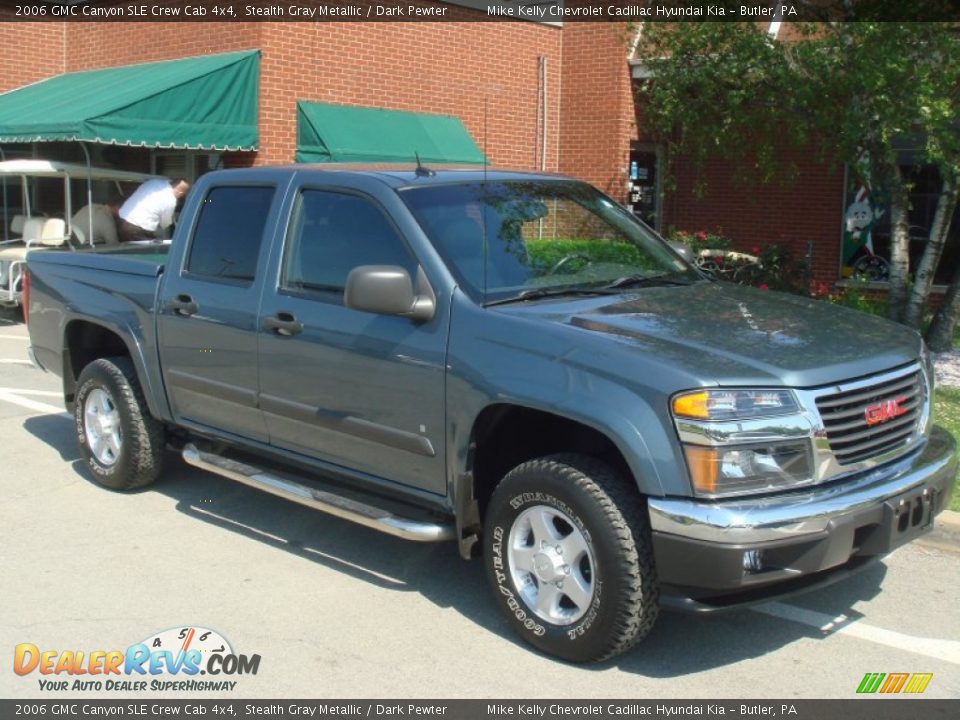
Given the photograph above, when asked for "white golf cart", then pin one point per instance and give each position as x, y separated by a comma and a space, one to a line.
25, 228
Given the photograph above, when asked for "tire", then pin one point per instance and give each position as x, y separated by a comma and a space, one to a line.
606, 600
110, 406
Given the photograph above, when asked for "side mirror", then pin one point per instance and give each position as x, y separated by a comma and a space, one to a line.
388, 290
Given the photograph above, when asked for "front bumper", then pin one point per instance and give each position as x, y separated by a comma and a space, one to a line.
800, 538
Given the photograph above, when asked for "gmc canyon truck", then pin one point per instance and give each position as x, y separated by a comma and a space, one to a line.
509, 361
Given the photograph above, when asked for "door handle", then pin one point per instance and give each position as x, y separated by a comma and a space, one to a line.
183, 305
283, 323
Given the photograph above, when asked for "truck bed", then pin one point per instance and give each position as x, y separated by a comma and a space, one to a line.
115, 287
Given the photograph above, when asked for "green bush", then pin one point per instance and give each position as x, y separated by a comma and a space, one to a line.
857, 296
778, 269
545, 254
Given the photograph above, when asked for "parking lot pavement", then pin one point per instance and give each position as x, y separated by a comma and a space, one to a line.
337, 611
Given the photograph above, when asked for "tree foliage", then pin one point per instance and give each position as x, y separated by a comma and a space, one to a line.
733, 91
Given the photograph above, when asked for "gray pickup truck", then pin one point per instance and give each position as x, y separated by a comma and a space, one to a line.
509, 361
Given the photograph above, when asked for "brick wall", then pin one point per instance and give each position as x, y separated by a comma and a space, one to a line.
30, 51
91, 45
753, 215
597, 123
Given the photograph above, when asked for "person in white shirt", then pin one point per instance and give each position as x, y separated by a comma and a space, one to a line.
149, 211
102, 218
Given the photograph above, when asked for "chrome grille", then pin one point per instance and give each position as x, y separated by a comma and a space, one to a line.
844, 417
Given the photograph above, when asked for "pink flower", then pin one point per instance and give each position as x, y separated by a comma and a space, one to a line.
701, 235
763, 286
755, 249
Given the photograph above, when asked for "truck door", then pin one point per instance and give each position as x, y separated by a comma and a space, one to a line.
351, 388
207, 311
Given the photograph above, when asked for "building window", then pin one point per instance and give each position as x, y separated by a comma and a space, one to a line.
186, 164
866, 234
645, 187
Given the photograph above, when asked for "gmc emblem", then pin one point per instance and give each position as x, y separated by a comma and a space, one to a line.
884, 411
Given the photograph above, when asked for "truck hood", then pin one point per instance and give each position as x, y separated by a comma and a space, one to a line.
726, 334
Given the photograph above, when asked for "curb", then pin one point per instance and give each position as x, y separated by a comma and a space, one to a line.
945, 533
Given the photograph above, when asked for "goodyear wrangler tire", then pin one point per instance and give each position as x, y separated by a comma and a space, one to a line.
121, 443
568, 554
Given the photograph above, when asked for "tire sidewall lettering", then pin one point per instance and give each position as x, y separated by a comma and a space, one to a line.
92, 463
516, 607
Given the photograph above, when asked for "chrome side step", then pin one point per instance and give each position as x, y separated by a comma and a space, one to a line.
346, 508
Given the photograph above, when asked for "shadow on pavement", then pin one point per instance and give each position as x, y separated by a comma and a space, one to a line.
680, 644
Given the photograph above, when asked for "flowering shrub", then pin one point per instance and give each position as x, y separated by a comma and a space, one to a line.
856, 295
699, 241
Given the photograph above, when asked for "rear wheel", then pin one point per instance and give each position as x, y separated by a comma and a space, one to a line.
569, 557
121, 443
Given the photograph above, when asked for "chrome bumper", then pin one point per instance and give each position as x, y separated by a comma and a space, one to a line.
814, 510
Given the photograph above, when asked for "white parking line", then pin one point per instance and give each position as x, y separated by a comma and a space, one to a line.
22, 391
14, 337
16, 397
11, 361
947, 650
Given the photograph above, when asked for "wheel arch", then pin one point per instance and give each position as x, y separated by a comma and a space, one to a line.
504, 435
86, 340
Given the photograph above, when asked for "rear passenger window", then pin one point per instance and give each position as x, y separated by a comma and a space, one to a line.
332, 234
226, 242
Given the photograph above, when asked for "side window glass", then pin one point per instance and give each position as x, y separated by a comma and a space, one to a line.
332, 234
229, 232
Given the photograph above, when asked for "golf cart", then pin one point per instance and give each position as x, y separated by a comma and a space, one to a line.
27, 228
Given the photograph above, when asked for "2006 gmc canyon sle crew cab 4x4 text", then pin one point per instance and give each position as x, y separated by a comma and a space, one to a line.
507, 360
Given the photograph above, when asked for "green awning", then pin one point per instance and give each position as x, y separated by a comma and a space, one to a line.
204, 103
341, 133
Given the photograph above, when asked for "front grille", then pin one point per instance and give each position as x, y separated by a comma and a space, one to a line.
845, 414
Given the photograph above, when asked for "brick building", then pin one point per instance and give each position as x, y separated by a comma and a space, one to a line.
531, 95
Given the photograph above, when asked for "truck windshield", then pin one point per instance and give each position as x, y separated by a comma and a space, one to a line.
503, 240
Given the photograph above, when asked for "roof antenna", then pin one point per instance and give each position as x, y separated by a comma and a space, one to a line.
422, 171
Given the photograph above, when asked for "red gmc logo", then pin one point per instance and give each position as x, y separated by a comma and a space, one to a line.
883, 411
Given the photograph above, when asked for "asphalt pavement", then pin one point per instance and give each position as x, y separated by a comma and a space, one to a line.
335, 610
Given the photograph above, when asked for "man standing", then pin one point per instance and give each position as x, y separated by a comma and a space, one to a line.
149, 210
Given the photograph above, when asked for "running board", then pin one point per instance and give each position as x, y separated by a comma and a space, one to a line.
346, 508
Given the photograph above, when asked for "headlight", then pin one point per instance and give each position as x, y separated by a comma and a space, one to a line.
743, 469
733, 404
739, 441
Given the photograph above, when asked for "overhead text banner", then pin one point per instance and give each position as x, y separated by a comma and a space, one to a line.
877, 709
542, 11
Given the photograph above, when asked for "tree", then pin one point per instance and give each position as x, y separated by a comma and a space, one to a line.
850, 91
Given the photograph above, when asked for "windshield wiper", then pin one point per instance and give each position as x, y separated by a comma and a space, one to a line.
646, 280
538, 293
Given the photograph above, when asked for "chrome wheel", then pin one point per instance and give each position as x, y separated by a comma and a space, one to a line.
101, 425
551, 565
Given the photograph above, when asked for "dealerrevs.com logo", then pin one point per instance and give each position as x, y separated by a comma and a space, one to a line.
172, 660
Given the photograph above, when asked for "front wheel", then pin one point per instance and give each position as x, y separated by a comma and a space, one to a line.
569, 557
121, 443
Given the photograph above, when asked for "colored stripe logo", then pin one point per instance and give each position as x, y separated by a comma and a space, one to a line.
890, 683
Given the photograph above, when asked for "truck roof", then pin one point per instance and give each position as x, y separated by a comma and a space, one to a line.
400, 175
